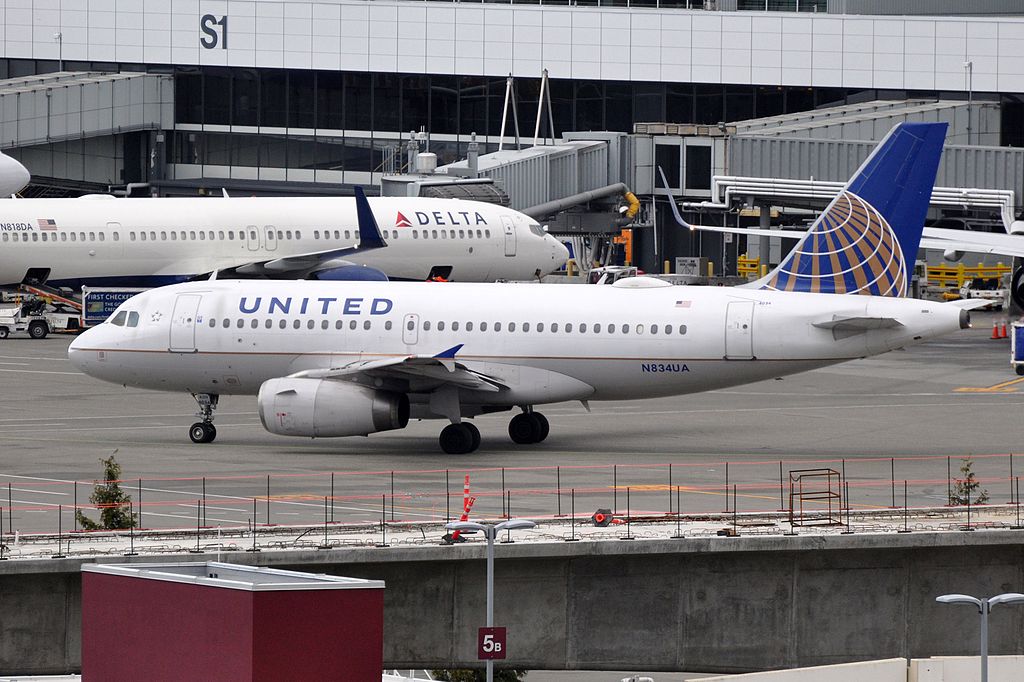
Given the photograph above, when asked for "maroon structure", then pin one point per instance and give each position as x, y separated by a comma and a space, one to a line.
225, 622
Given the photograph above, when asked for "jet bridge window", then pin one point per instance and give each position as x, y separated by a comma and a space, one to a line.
118, 320
133, 319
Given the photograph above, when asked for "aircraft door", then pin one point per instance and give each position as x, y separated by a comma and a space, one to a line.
252, 237
510, 235
271, 233
183, 323
410, 329
739, 328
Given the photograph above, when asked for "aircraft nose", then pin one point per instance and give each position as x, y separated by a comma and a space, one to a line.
559, 253
78, 353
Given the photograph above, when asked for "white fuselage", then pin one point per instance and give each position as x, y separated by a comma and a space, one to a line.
101, 241
545, 343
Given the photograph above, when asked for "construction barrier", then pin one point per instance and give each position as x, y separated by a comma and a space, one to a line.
955, 275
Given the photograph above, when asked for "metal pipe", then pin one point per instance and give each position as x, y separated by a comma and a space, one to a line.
549, 207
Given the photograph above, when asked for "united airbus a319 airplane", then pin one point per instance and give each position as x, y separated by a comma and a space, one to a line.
354, 358
104, 241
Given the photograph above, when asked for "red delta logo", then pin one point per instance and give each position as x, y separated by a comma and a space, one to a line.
402, 221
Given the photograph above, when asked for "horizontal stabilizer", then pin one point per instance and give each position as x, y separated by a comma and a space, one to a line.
858, 324
970, 303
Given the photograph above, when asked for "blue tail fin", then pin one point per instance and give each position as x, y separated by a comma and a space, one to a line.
862, 242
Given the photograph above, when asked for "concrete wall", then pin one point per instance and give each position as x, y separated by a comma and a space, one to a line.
891, 670
966, 669
702, 604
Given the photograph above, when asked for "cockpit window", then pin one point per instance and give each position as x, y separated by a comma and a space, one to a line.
133, 319
537, 230
118, 320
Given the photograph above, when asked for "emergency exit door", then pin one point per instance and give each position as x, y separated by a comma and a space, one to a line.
739, 331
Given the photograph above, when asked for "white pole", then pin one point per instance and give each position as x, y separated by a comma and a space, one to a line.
490, 593
985, 609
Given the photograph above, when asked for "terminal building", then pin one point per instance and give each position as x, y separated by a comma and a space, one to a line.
141, 97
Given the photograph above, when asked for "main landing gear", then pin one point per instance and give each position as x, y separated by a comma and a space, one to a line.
528, 427
204, 431
460, 439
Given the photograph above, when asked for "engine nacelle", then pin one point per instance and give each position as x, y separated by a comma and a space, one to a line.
321, 408
952, 255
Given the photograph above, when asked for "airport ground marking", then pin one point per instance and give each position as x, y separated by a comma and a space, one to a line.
1004, 387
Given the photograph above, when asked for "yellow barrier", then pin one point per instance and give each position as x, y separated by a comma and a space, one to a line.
745, 267
956, 275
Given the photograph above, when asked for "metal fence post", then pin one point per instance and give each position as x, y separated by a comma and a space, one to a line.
679, 516
558, 489
572, 517
60, 533
629, 534
383, 521
131, 532
332, 497
199, 516
255, 520
906, 512
324, 545
140, 503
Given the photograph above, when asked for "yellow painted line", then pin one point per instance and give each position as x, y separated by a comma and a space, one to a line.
1004, 387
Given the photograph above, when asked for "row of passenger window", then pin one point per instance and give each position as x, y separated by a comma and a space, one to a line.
211, 235
568, 327
525, 327
296, 324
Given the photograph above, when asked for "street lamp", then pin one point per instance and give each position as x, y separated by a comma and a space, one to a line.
984, 607
490, 531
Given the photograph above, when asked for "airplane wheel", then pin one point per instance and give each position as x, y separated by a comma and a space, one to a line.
456, 439
543, 426
201, 432
475, 433
524, 429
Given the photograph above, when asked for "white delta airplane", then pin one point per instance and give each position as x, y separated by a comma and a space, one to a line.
353, 358
104, 241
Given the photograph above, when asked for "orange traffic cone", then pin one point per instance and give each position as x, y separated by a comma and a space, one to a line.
995, 330
1002, 331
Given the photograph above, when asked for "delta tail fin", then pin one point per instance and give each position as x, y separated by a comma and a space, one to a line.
866, 241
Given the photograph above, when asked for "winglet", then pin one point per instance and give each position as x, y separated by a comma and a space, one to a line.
369, 233
672, 203
450, 353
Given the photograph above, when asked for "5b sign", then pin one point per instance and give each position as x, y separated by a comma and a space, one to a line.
490, 644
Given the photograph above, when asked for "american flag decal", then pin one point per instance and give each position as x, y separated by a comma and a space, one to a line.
682, 304
47, 224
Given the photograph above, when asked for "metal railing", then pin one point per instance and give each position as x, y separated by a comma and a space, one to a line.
956, 275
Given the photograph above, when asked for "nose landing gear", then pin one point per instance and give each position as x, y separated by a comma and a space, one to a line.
204, 431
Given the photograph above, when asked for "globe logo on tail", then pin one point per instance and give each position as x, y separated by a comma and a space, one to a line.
851, 249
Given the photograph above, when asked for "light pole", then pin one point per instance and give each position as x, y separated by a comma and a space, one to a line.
490, 531
59, 37
984, 607
969, 65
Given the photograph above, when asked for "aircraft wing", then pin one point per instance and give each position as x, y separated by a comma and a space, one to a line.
973, 242
302, 264
442, 368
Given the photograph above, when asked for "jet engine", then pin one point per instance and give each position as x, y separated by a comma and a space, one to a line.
952, 255
322, 407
